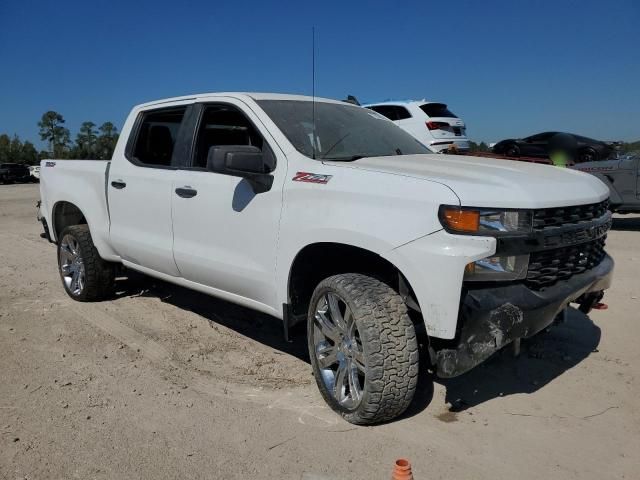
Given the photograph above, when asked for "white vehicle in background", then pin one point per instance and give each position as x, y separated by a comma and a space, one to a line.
432, 123
34, 173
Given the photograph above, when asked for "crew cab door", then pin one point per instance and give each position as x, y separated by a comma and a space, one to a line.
140, 190
225, 234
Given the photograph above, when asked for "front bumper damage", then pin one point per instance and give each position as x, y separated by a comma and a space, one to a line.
496, 316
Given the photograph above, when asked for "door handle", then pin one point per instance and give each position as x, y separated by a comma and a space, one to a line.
186, 192
119, 184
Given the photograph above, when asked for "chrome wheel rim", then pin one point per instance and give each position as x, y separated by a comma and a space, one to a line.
71, 265
338, 350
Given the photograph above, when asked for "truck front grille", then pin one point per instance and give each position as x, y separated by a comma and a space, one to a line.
555, 217
549, 266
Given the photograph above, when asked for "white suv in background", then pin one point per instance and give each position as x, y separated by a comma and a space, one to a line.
432, 123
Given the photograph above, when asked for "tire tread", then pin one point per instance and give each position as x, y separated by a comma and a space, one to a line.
390, 344
99, 274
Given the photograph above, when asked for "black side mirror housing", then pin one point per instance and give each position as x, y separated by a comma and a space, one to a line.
241, 161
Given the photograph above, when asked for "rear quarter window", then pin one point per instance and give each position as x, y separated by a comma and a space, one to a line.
392, 112
385, 110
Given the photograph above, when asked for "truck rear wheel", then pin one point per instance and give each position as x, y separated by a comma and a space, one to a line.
86, 277
363, 348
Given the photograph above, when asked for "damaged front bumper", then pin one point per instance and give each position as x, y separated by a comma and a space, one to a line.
494, 317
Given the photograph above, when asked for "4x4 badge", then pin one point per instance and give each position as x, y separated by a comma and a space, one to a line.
311, 177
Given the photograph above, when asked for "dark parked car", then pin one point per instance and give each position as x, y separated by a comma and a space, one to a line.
587, 149
14, 172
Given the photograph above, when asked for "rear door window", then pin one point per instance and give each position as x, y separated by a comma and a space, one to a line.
156, 137
437, 110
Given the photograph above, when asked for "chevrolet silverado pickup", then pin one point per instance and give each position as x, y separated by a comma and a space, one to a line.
323, 212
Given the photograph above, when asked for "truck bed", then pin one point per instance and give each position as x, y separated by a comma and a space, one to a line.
82, 182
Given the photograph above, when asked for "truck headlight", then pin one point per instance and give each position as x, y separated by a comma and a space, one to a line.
497, 268
492, 222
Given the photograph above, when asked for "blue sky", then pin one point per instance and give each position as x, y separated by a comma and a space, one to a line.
508, 68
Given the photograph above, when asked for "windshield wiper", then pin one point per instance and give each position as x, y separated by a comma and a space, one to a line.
343, 159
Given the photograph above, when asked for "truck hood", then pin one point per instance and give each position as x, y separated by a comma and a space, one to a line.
489, 182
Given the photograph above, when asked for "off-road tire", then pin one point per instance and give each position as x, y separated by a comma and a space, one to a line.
389, 343
99, 274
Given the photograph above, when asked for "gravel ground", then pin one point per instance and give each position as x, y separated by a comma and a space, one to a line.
162, 382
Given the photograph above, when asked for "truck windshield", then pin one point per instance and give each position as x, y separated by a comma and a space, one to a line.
342, 132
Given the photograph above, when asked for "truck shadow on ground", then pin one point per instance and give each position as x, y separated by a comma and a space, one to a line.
252, 324
626, 224
249, 323
543, 358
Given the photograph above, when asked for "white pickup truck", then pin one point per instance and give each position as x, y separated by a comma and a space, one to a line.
328, 213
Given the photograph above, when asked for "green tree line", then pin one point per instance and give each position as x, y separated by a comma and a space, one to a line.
91, 142
478, 147
14, 150
630, 147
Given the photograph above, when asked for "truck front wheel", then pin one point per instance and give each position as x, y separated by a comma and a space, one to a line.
363, 348
86, 277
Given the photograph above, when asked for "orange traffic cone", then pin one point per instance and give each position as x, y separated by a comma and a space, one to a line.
402, 470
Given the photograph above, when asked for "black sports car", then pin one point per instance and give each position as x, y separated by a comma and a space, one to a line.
587, 149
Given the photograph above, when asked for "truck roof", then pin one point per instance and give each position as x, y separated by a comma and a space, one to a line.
238, 95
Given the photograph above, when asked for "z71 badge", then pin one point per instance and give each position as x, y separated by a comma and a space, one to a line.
311, 177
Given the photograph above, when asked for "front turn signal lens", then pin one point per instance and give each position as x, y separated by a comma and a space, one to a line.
490, 222
458, 220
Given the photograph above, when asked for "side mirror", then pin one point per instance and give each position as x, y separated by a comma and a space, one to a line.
241, 161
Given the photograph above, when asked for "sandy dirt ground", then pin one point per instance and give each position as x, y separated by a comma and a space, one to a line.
163, 383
